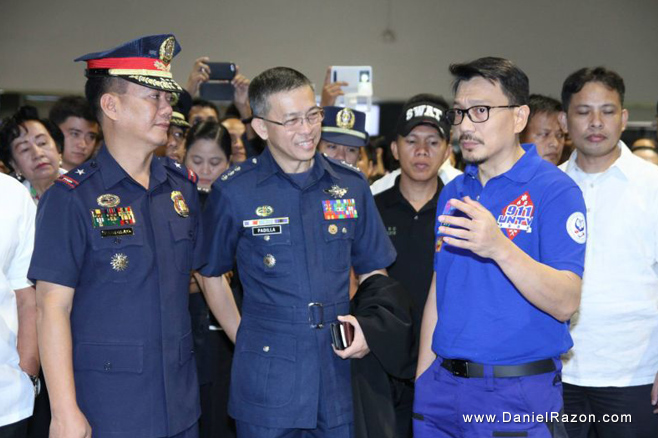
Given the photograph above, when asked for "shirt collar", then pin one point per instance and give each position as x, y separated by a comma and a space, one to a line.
394, 195
522, 171
623, 164
267, 167
112, 173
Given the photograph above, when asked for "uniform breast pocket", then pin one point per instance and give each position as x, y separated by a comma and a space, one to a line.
264, 368
271, 253
338, 237
182, 234
118, 258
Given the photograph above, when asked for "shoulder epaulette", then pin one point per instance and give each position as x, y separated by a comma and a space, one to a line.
75, 177
342, 163
240, 168
180, 169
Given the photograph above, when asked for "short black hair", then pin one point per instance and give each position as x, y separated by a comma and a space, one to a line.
210, 130
71, 106
10, 130
203, 104
513, 81
97, 86
577, 80
272, 81
539, 103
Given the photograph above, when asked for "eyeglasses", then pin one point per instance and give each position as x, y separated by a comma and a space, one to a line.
477, 114
313, 117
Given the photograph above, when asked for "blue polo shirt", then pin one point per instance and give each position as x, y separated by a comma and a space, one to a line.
294, 240
127, 251
482, 317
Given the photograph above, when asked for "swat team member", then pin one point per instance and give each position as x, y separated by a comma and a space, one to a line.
297, 221
509, 259
115, 243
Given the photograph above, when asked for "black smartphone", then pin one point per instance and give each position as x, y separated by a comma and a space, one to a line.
221, 71
217, 91
342, 334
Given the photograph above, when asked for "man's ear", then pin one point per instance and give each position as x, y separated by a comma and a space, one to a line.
562, 118
521, 118
394, 150
624, 119
447, 152
110, 105
260, 128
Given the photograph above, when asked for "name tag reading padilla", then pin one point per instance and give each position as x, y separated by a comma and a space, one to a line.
266, 231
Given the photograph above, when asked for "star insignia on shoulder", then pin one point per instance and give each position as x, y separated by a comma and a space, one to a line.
177, 165
336, 192
80, 171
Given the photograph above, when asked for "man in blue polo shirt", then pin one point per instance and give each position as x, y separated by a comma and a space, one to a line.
509, 258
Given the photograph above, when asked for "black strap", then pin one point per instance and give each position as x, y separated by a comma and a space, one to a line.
462, 368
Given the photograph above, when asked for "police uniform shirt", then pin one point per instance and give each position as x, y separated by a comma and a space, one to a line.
294, 246
127, 251
412, 234
482, 316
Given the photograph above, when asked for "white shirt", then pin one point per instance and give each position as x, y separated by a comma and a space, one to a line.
16, 244
615, 331
33, 193
446, 172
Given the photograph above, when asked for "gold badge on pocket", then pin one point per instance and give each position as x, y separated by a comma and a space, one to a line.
179, 204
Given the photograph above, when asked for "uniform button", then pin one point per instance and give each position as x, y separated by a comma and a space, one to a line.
266, 238
416, 217
107, 366
117, 240
191, 233
269, 261
94, 164
344, 230
266, 348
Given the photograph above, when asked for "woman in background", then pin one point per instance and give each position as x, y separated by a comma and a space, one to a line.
31, 147
208, 153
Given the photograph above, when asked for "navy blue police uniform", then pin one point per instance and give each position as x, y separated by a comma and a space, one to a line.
294, 242
127, 251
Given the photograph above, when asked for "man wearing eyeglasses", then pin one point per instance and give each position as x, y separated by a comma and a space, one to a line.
296, 222
509, 258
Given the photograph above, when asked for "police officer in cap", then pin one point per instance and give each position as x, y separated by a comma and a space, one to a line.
343, 134
115, 242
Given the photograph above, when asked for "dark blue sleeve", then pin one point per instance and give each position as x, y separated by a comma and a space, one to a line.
372, 249
199, 254
221, 232
61, 239
563, 230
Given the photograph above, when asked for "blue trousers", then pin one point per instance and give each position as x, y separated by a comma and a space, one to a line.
456, 407
246, 430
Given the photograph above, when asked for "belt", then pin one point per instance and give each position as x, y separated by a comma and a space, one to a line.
316, 315
462, 368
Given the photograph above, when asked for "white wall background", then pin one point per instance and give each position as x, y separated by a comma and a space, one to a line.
548, 39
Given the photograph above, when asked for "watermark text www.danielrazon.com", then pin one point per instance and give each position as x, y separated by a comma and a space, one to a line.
545, 418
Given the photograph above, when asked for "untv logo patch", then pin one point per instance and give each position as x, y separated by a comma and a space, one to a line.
517, 216
577, 228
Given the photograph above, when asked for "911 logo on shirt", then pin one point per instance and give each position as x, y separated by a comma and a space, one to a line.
517, 216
